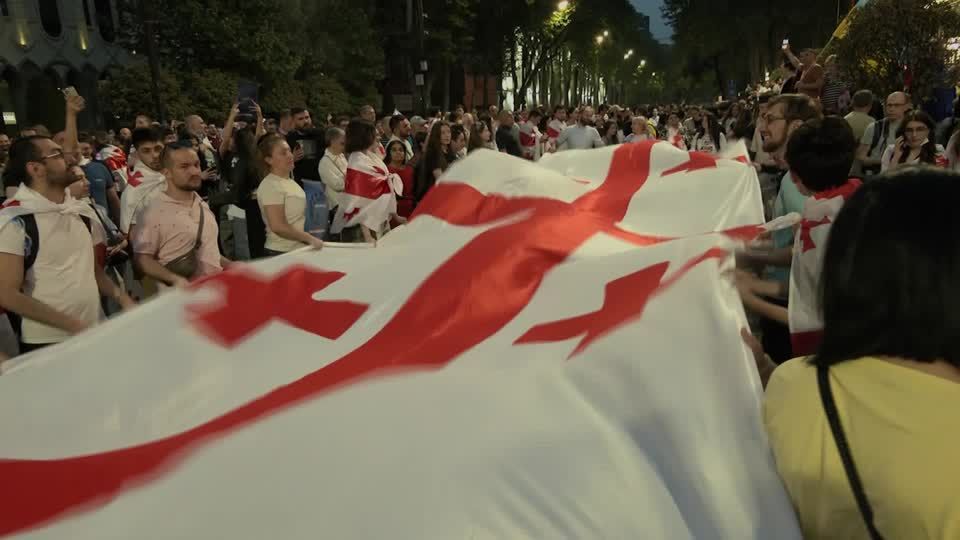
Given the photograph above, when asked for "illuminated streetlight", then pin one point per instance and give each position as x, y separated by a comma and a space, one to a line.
564, 4
599, 40
643, 63
606, 33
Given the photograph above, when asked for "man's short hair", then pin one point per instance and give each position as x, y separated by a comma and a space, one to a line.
145, 135
84, 137
22, 151
395, 121
297, 110
168, 150
863, 98
535, 113
821, 152
797, 107
766, 97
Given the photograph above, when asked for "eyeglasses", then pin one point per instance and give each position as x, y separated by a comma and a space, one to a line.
57, 154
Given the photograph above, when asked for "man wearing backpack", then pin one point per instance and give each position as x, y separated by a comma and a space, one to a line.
48, 273
882, 133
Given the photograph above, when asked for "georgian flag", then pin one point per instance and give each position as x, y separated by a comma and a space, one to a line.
554, 129
530, 141
143, 184
369, 195
116, 161
544, 351
819, 212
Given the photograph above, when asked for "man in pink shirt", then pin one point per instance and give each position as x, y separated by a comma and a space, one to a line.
171, 225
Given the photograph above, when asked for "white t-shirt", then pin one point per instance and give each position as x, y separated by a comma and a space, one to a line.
887, 158
62, 276
579, 138
276, 190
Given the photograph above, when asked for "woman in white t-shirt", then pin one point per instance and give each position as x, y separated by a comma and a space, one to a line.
282, 202
913, 144
709, 137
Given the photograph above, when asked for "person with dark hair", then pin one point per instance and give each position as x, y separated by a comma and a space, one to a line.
863, 432
479, 137
435, 158
282, 201
581, 136
400, 130
306, 143
458, 142
914, 144
610, 133
397, 164
146, 180
820, 153
709, 137
177, 240
370, 196
48, 240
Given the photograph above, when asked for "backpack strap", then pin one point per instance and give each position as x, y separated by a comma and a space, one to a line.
32, 246
843, 447
879, 132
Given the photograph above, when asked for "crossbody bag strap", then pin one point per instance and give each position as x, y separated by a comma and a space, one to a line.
843, 447
196, 245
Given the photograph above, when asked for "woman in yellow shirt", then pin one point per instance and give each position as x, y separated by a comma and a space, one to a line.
890, 361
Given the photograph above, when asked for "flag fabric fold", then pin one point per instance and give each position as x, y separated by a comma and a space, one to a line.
369, 196
143, 184
553, 353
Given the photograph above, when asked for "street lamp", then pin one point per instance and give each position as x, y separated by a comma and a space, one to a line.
564, 4
599, 40
643, 63
606, 33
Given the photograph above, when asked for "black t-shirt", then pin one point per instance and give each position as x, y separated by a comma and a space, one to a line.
311, 141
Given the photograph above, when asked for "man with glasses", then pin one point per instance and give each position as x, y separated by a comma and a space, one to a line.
785, 113
882, 133
48, 273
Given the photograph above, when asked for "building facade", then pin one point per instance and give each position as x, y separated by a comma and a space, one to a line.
47, 45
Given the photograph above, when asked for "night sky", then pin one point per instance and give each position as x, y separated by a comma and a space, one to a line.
651, 8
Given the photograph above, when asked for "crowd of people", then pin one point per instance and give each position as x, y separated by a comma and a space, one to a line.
862, 288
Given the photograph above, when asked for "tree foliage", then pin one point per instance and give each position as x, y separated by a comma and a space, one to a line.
739, 40
324, 54
895, 44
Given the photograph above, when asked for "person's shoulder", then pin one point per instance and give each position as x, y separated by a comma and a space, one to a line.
793, 381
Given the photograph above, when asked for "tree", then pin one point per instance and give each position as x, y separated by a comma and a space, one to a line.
127, 93
901, 44
739, 40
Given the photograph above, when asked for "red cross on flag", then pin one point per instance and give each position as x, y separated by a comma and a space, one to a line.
545, 351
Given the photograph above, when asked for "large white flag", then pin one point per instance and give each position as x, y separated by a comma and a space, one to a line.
531, 357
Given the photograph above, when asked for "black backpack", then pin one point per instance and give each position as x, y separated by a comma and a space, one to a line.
33, 234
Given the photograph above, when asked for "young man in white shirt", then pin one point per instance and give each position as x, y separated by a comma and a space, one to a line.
581, 136
49, 275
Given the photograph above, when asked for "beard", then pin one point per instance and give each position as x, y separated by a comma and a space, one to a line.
770, 146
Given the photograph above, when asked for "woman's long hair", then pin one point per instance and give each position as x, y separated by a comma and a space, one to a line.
248, 174
476, 141
389, 150
928, 152
714, 128
435, 157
